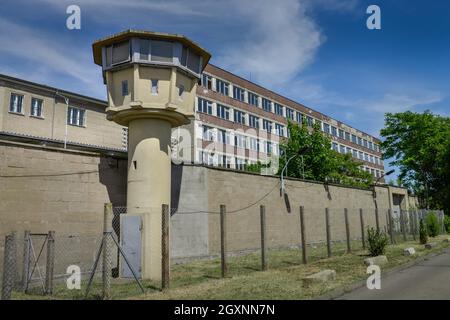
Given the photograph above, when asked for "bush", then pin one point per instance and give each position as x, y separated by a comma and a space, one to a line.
447, 223
376, 242
432, 224
423, 235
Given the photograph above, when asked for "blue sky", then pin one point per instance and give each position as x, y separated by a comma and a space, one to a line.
318, 52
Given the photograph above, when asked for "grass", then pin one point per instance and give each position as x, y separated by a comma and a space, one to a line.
283, 280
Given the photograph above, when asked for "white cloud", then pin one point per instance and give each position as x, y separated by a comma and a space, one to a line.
278, 43
48, 56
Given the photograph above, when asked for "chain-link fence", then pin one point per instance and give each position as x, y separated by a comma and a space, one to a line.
258, 237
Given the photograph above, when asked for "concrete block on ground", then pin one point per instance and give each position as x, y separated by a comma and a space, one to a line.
319, 277
430, 245
378, 260
409, 251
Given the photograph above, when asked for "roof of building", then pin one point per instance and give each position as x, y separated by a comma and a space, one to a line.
127, 34
53, 89
105, 103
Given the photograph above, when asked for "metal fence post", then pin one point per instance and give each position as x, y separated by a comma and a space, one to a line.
303, 235
363, 238
403, 224
391, 228
412, 224
262, 211
377, 219
347, 230
9, 266
327, 227
26, 260
50, 262
107, 263
165, 247
223, 240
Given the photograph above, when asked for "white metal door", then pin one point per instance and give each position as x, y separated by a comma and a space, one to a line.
130, 227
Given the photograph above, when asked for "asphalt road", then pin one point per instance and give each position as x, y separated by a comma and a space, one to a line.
430, 279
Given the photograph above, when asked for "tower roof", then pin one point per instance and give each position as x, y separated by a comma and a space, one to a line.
125, 35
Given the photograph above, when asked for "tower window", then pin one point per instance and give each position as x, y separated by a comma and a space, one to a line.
124, 88
154, 86
180, 91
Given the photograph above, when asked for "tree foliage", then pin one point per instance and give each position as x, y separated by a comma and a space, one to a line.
419, 143
320, 162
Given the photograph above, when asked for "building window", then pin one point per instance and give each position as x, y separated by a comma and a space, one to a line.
254, 145
239, 117
204, 106
334, 131
222, 87
355, 153
238, 93
253, 99
299, 118
354, 139
289, 114
144, 49
36, 107
223, 136
154, 86
224, 161
342, 149
223, 112
206, 81
76, 117
240, 164
207, 158
370, 145
208, 133
347, 136
365, 143
180, 91
278, 109
253, 121
267, 125
16, 102
309, 121
279, 129
366, 157
326, 128
124, 88
266, 104
361, 155
360, 141
335, 147
269, 147
161, 51
239, 141
341, 133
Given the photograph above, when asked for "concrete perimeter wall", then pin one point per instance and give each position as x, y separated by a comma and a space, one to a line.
43, 188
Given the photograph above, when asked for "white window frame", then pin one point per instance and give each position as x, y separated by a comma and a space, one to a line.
41, 107
78, 120
16, 109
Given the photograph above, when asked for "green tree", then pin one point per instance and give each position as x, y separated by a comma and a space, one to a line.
419, 144
320, 162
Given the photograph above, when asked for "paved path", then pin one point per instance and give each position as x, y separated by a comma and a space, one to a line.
430, 279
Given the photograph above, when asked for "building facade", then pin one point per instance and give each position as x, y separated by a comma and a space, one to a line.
236, 122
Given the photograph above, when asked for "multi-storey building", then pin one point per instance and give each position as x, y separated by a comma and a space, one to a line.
239, 122
236, 122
